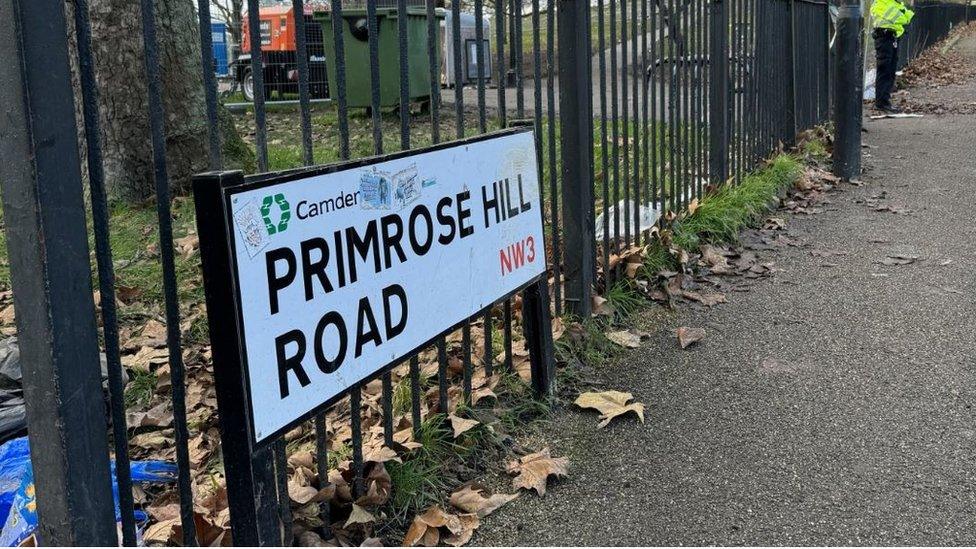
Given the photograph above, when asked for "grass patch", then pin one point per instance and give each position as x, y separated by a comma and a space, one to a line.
658, 258
419, 481
814, 148
721, 215
140, 388
624, 298
586, 344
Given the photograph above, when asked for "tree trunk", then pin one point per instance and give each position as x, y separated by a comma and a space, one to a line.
120, 68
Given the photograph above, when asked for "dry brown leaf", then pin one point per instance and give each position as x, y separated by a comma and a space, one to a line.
708, 299
716, 261
161, 532
188, 244
160, 415
301, 494
899, 259
309, 538
381, 454
155, 440
378, 487
470, 500
461, 425
359, 516
7, 315
145, 359
601, 307
533, 470
627, 338
610, 404
302, 458
425, 528
689, 336
484, 392
469, 523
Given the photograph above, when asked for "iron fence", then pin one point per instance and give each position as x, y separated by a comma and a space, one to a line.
932, 22
641, 107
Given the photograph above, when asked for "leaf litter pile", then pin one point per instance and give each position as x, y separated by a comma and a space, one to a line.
940, 66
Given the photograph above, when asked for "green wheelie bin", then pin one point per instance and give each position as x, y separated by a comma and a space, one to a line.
355, 41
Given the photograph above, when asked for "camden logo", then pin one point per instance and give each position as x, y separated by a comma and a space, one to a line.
279, 203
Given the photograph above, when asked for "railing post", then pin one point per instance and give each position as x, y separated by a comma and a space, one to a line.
848, 91
718, 93
47, 242
791, 121
576, 141
251, 485
537, 329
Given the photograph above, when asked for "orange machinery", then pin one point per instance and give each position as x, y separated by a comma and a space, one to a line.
279, 52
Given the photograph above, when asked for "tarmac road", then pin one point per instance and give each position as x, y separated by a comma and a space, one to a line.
865, 434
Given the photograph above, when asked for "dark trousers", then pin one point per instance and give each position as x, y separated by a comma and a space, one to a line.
886, 50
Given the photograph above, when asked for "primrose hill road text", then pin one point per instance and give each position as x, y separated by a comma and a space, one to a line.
327, 263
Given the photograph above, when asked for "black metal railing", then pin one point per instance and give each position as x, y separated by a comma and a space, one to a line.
654, 102
932, 22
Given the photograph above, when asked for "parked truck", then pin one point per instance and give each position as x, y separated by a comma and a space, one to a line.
279, 53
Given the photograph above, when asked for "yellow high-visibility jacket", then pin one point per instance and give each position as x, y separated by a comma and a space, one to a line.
891, 14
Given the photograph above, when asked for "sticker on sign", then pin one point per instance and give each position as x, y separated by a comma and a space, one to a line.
342, 274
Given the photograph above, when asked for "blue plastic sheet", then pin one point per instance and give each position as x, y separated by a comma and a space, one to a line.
18, 507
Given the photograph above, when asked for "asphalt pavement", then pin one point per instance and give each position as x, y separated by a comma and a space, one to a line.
830, 404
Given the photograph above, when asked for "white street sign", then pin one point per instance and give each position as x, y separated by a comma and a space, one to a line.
339, 275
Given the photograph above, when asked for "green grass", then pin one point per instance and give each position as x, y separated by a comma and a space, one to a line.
134, 237
624, 298
140, 389
732, 208
814, 148
589, 347
518, 408
418, 482
658, 258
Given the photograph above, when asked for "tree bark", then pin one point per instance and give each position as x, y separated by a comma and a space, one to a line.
120, 69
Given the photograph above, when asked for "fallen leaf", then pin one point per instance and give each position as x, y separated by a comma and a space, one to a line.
187, 245
534, 470
426, 527
161, 532
381, 454
610, 404
708, 299
716, 261
478, 394
899, 259
470, 500
145, 359
469, 523
625, 338
301, 494
379, 485
302, 458
689, 336
461, 425
359, 516
601, 307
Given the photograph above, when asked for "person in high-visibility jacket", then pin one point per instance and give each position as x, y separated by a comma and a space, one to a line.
890, 18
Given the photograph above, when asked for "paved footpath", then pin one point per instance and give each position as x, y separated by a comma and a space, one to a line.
867, 435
